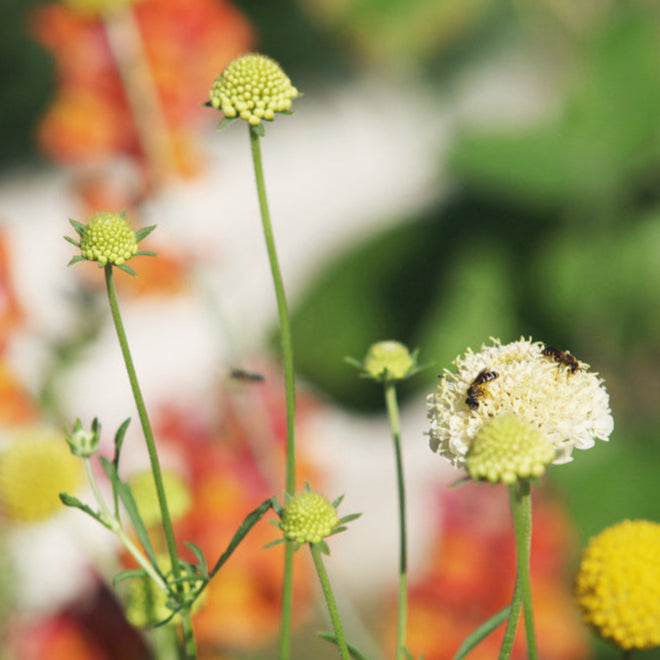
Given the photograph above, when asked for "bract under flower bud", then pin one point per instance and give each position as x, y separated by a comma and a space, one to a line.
252, 87
618, 584
388, 360
108, 238
507, 448
308, 518
83, 443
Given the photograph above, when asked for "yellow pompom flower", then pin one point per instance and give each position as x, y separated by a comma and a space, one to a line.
618, 584
309, 518
252, 87
507, 448
97, 7
179, 497
389, 360
34, 470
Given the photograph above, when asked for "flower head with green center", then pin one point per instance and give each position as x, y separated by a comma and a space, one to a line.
618, 584
507, 448
387, 361
568, 404
33, 471
308, 517
84, 443
108, 239
253, 87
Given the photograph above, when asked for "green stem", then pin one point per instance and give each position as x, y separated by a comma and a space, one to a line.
330, 600
149, 438
287, 358
393, 413
189, 649
521, 508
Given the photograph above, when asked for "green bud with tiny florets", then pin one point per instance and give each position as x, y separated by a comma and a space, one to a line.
81, 442
507, 448
308, 518
387, 361
253, 87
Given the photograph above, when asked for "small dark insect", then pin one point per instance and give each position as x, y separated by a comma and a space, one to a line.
477, 389
241, 374
561, 357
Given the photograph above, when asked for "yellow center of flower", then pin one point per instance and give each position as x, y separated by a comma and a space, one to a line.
252, 87
618, 584
308, 518
507, 448
34, 471
179, 498
389, 360
108, 238
96, 7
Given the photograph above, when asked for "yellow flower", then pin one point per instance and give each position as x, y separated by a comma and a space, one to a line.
252, 87
179, 497
618, 584
309, 518
389, 360
34, 470
564, 400
507, 448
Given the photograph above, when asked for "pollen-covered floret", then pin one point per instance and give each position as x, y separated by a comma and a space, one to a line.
571, 407
252, 87
308, 518
618, 584
108, 238
507, 448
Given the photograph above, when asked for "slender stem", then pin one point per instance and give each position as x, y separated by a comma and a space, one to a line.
521, 509
287, 358
330, 600
189, 648
393, 413
151, 446
116, 529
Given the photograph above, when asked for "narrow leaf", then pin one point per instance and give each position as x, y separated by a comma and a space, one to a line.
76, 259
482, 632
71, 240
349, 517
119, 441
146, 253
127, 269
275, 542
75, 503
201, 559
250, 521
338, 501
331, 637
80, 229
127, 575
258, 130
143, 232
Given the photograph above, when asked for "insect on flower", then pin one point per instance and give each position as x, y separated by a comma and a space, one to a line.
477, 389
561, 357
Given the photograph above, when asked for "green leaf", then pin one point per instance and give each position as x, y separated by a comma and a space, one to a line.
349, 517
143, 232
275, 542
75, 503
337, 501
126, 268
323, 547
76, 259
80, 229
129, 574
258, 130
225, 122
250, 521
331, 637
119, 441
277, 507
201, 559
482, 632
71, 240
146, 253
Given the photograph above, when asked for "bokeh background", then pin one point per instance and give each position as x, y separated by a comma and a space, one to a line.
456, 170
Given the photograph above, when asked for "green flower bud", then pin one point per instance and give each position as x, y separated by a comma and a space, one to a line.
507, 448
389, 360
108, 238
81, 442
252, 87
309, 518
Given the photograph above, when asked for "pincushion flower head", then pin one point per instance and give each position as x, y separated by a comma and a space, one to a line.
253, 87
107, 238
618, 585
387, 361
545, 386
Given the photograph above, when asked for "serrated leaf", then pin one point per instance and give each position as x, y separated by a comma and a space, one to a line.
248, 523
201, 559
127, 269
354, 651
80, 228
143, 232
128, 574
482, 632
76, 259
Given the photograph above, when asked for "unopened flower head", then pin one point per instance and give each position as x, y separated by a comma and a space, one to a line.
81, 442
97, 7
252, 87
309, 518
388, 360
507, 448
618, 584
553, 392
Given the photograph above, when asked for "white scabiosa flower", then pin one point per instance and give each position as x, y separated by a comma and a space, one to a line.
545, 386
